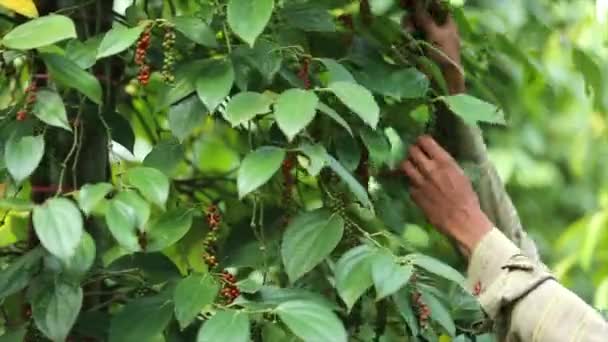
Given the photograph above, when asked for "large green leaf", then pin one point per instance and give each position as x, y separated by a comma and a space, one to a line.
273, 296
258, 167
191, 295
165, 156
437, 267
18, 274
84, 54
330, 112
186, 116
317, 158
389, 274
377, 145
227, 325
399, 84
354, 274
439, 313
214, 83
294, 110
49, 109
151, 183
354, 185
245, 106
249, 18
308, 240
141, 320
22, 155
308, 17
84, 257
594, 77
118, 39
185, 79
404, 305
312, 322
90, 195
59, 226
472, 110
70, 75
336, 72
359, 100
40, 32
196, 30
127, 214
168, 228
56, 308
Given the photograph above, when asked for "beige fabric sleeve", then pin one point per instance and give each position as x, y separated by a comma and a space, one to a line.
524, 300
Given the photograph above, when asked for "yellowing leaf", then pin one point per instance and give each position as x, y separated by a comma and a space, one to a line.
24, 7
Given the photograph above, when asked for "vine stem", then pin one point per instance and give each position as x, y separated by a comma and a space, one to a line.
64, 164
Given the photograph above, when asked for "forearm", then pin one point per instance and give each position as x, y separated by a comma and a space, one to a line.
454, 78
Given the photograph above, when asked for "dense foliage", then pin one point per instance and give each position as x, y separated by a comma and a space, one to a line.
264, 205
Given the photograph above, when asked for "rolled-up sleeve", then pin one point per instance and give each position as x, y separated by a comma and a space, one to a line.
524, 300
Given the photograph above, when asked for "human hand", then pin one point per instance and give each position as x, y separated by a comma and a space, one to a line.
445, 195
444, 41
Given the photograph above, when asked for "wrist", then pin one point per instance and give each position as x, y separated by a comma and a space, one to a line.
468, 228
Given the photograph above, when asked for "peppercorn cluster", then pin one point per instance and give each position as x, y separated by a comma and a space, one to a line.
288, 183
214, 219
229, 290
143, 45
30, 100
422, 309
303, 73
168, 52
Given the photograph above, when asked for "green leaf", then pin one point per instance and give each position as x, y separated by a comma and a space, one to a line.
22, 155
249, 18
404, 305
317, 158
90, 195
151, 183
165, 156
16, 204
336, 71
196, 30
79, 263
265, 56
40, 32
377, 145
258, 167
352, 183
141, 320
214, 83
359, 100
308, 240
253, 283
273, 296
70, 75
186, 116
16, 334
592, 72
399, 84
185, 78
308, 17
192, 295
439, 313
84, 54
18, 274
437, 267
122, 132
245, 106
49, 109
294, 110
472, 110
59, 226
354, 274
334, 116
389, 275
227, 325
55, 309
118, 39
168, 228
312, 322
126, 214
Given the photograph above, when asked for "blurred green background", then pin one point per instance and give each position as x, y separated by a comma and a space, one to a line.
547, 66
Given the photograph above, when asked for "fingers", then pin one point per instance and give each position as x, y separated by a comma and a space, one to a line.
422, 18
430, 147
414, 175
421, 161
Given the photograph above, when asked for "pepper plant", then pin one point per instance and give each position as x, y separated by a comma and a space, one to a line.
222, 171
